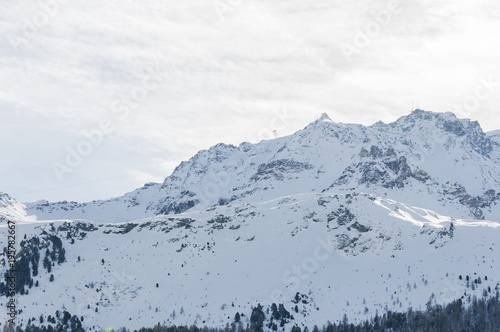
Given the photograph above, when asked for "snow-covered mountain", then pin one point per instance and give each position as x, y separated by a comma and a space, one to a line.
336, 218
448, 162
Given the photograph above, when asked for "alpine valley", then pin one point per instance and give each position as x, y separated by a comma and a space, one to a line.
337, 220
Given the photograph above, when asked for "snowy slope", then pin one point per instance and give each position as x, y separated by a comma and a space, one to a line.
341, 252
336, 218
494, 135
11, 208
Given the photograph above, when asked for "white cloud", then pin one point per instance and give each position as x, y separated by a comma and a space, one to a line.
223, 80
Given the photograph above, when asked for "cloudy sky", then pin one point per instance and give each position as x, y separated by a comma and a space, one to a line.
98, 98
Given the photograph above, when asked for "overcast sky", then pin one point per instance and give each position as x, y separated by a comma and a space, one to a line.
163, 79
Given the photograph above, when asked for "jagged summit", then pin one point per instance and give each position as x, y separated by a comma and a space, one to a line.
423, 114
415, 116
324, 117
447, 121
417, 120
322, 122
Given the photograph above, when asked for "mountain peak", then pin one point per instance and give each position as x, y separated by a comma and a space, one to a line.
324, 118
422, 114
440, 120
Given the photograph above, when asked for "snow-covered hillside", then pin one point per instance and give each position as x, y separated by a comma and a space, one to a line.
342, 253
335, 219
12, 209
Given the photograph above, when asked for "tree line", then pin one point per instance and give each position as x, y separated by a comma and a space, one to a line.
482, 315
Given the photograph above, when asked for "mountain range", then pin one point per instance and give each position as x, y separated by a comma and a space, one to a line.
336, 219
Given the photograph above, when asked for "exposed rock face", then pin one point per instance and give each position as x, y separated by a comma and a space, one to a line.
278, 169
382, 167
475, 204
177, 207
